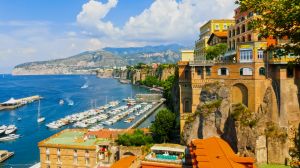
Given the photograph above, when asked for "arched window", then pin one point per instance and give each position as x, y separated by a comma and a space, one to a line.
223, 72
246, 72
187, 106
243, 28
262, 71
243, 39
249, 37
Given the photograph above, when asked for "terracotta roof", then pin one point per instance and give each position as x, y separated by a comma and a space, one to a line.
215, 152
124, 162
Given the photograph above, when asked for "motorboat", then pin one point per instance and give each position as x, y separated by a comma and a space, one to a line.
3, 129
85, 86
129, 119
71, 103
10, 129
9, 137
61, 102
96, 128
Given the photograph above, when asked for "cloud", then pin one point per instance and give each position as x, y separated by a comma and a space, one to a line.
92, 14
165, 21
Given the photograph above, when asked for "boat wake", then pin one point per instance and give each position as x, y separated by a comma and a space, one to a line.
70, 102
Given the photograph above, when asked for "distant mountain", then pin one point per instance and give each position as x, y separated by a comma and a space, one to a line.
86, 62
78, 64
146, 49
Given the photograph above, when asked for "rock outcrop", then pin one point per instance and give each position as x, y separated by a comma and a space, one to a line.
257, 134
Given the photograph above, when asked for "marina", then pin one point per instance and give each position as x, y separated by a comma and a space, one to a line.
15, 103
101, 101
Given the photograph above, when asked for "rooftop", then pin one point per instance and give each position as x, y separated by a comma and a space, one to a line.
72, 138
124, 162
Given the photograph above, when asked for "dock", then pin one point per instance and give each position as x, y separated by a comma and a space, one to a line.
4, 154
16, 103
141, 120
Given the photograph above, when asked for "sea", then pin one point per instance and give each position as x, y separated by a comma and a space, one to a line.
53, 89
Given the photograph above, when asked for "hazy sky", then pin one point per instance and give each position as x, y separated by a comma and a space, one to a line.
32, 30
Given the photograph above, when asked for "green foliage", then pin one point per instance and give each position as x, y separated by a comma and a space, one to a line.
216, 51
138, 138
295, 151
244, 115
206, 109
279, 19
272, 166
274, 132
163, 126
140, 66
151, 81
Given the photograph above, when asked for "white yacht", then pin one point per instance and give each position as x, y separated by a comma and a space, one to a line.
10, 137
3, 129
61, 102
10, 129
85, 86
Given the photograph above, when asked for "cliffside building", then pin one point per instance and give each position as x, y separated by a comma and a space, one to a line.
260, 80
212, 26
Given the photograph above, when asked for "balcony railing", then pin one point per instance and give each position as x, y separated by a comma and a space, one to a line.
202, 63
282, 60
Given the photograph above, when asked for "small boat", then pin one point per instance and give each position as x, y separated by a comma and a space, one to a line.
10, 129
40, 118
85, 86
3, 129
71, 103
4, 154
129, 119
61, 102
19, 119
9, 137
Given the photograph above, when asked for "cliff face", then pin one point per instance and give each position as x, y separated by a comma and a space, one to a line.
83, 63
257, 134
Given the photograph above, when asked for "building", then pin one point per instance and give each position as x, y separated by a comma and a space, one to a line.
215, 152
187, 55
255, 77
80, 148
206, 30
165, 156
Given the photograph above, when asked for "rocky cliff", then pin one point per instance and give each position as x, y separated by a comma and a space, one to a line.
256, 134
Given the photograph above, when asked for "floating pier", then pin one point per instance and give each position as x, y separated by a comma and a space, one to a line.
141, 120
15, 103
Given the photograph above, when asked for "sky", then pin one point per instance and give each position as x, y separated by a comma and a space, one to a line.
36, 30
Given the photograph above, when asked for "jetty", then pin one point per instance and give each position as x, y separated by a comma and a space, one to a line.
15, 103
4, 154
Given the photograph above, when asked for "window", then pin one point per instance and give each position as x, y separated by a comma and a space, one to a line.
87, 161
225, 27
246, 72
223, 72
217, 27
186, 74
58, 159
246, 55
187, 106
47, 157
262, 71
290, 72
260, 54
208, 71
199, 71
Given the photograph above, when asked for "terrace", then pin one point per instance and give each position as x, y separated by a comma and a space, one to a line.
167, 153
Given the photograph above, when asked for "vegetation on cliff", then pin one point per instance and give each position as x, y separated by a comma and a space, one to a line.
295, 151
242, 114
163, 126
138, 138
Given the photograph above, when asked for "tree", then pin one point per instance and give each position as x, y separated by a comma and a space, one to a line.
138, 138
150, 81
295, 151
163, 126
216, 51
280, 19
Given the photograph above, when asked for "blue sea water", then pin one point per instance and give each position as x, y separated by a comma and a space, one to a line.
52, 89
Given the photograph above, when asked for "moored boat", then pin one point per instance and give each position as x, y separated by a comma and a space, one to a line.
9, 137
3, 129
10, 129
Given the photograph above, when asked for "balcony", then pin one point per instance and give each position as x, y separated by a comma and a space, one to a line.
282, 60
202, 63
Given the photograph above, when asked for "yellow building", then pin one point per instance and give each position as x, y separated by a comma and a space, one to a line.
77, 148
216, 25
187, 55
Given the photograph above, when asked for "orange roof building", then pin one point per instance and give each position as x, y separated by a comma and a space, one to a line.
126, 162
215, 152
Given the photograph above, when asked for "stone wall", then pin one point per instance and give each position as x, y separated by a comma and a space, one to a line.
130, 151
